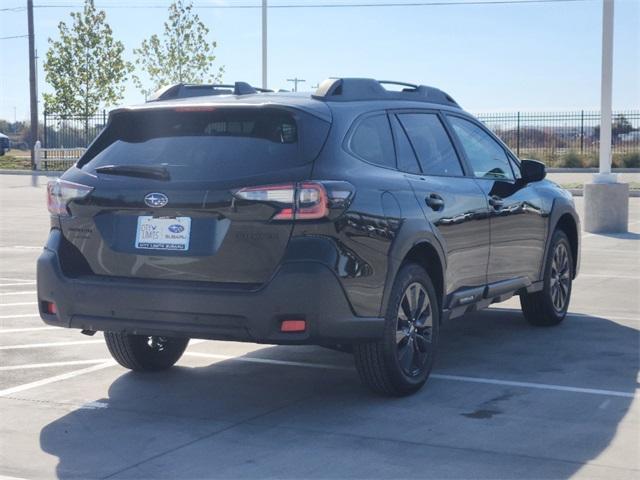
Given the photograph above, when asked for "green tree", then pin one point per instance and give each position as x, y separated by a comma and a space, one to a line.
620, 125
85, 66
182, 55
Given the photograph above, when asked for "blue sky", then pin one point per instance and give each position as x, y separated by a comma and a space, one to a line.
489, 57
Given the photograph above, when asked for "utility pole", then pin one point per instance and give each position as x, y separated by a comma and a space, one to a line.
295, 81
264, 44
33, 94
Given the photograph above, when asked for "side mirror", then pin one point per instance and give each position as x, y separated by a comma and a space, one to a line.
532, 171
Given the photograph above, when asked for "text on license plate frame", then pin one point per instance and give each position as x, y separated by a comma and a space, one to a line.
163, 233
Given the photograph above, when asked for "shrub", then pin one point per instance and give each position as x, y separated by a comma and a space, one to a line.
571, 160
590, 160
630, 160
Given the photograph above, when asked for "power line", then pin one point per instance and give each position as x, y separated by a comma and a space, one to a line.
437, 3
15, 36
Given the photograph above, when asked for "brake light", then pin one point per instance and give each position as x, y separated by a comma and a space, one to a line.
305, 201
61, 192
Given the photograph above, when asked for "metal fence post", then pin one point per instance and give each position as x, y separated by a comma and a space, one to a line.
582, 132
45, 129
104, 118
518, 136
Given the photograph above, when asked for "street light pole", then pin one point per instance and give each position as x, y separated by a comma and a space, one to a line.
606, 202
605, 175
264, 43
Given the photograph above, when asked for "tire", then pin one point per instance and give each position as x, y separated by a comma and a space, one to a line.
549, 306
145, 353
384, 366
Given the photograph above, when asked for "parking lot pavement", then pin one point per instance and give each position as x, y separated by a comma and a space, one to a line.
505, 399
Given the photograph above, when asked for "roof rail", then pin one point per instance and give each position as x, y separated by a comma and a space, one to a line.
353, 89
186, 90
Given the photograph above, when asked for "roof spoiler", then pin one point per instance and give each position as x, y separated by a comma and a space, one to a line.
186, 90
353, 89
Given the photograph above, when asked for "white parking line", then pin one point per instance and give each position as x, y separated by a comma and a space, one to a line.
57, 378
29, 292
26, 329
594, 315
6, 477
539, 386
17, 304
54, 364
602, 275
267, 361
51, 344
457, 378
26, 315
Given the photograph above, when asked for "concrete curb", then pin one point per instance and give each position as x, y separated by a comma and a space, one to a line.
47, 173
579, 192
590, 170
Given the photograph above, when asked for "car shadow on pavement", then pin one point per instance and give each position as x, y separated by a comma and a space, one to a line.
242, 419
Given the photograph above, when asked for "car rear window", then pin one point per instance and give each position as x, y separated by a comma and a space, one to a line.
220, 143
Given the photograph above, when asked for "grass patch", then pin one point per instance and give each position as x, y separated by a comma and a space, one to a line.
11, 162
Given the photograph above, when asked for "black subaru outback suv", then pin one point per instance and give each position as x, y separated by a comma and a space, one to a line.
359, 217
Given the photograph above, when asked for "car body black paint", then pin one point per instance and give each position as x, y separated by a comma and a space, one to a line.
244, 273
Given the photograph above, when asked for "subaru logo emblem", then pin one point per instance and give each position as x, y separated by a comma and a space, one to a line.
156, 200
175, 228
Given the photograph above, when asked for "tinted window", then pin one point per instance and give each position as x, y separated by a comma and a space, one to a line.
407, 161
431, 143
372, 141
487, 157
219, 144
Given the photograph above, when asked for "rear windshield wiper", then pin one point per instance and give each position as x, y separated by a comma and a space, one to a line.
144, 171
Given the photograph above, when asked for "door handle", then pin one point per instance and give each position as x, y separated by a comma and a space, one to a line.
435, 201
496, 202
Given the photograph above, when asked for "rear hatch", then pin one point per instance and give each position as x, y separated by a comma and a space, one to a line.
169, 193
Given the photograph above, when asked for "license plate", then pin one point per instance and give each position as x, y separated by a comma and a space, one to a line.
163, 233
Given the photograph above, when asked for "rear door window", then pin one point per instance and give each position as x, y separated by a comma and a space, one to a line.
215, 144
407, 161
372, 141
431, 143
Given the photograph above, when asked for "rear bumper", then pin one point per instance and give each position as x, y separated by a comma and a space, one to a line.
299, 290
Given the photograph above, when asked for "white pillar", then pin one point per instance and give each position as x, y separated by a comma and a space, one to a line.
37, 155
606, 202
264, 43
605, 175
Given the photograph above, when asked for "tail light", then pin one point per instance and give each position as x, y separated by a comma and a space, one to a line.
61, 192
297, 201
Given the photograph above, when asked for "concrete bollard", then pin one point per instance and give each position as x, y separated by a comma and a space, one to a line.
606, 207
